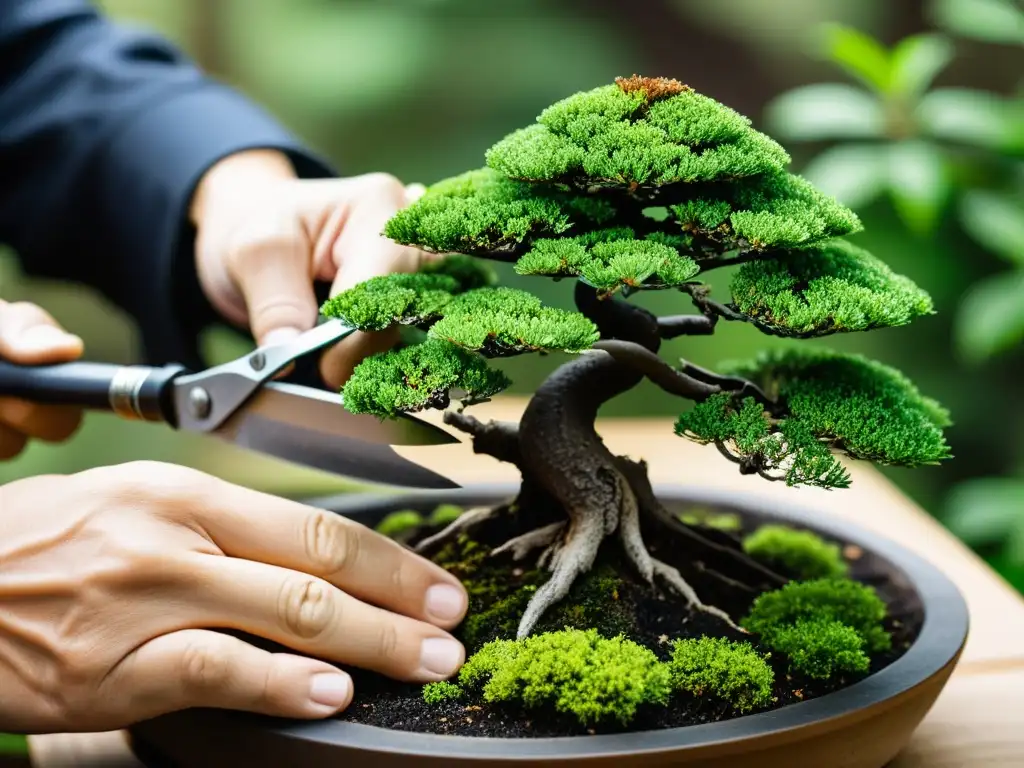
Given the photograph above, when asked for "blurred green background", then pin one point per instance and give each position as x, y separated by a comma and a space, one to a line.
421, 88
922, 135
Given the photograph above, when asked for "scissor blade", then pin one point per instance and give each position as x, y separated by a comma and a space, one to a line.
311, 427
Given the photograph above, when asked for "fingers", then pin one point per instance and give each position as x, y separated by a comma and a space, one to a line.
201, 668
360, 251
51, 423
315, 618
30, 336
11, 443
263, 528
273, 275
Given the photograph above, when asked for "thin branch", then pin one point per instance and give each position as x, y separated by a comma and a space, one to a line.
498, 439
727, 453
671, 326
657, 370
743, 387
708, 306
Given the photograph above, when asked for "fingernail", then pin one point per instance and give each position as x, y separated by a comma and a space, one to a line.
445, 602
440, 656
330, 689
43, 337
280, 336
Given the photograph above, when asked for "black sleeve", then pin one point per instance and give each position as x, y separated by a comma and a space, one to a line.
104, 133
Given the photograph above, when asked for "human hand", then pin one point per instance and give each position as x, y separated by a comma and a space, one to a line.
264, 236
29, 336
113, 580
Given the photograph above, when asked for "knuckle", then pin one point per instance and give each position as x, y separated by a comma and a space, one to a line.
384, 185
203, 667
387, 641
306, 609
159, 483
331, 545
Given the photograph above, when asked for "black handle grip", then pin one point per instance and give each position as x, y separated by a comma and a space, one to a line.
132, 392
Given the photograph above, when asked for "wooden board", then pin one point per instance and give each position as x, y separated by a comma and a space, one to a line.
976, 722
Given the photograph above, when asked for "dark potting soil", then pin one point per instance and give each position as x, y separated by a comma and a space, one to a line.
613, 599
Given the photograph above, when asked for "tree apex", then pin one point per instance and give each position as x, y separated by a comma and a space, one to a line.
654, 88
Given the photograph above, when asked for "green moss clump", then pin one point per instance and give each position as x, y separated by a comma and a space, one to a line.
419, 377
507, 321
776, 210
821, 649
786, 446
398, 523
862, 407
849, 602
483, 213
435, 693
387, 300
731, 672
803, 554
638, 132
580, 673
831, 288
722, 521
445, 514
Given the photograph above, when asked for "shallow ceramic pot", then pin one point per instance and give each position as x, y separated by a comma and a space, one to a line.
862, 726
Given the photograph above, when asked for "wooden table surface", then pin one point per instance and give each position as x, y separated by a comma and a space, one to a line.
977, 722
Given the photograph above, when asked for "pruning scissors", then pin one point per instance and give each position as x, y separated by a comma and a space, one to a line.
238, 402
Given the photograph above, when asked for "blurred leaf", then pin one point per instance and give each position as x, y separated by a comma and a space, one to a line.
825, 111
986, 510
990, 318
917, 61
973, 117
859, 54
854, 174
328, 57
994, 21
918, 183
996, 221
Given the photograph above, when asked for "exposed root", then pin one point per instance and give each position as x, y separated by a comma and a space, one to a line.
675, 580
572, 559
464, 522
521, 546
633, 541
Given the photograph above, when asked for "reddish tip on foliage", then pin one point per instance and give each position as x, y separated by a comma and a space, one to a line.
654, 88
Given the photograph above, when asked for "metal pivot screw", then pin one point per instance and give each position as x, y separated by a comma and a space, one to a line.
257, 361
199, 402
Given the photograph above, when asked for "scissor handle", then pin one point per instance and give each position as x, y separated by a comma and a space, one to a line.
131, 392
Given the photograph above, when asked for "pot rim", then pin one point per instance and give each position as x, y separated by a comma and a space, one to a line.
942, 636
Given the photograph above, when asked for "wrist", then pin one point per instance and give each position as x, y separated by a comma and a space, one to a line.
237, 175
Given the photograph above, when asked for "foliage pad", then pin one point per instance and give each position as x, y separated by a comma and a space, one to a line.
419, 377
484, 213
763, 444
506, 321
864, 408
776, 210
636, 133
826, 289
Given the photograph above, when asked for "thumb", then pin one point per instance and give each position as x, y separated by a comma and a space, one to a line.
200, 668
30, 336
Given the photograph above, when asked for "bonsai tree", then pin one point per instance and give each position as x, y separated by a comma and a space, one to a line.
641, 185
